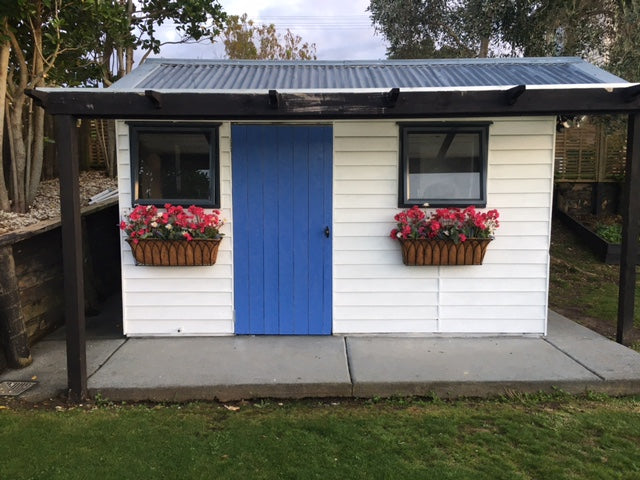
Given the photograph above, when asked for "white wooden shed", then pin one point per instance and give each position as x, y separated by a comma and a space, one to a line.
369, 288
310, 161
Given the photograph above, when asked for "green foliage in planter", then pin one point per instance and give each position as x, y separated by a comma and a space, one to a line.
612, 233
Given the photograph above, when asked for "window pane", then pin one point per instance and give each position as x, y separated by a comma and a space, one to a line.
444, 165
174, 165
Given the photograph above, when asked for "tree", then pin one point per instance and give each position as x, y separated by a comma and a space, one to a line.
76, 42
5, 49
427, 28
243, 39
33, 31
480, 28
624, 54
112, 30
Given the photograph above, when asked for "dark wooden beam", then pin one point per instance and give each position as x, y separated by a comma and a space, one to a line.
107, 103
67, 149
631, 93
513, 94
630, 230
155, 97
391, 97
39, 97
273, 99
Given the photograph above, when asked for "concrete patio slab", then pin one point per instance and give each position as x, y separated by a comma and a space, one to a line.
571, 358
225, 368
451, 367
609, 360
49, 367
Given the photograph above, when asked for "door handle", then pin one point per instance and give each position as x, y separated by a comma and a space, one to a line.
327, 232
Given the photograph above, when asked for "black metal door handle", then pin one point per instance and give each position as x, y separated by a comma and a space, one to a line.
327, 232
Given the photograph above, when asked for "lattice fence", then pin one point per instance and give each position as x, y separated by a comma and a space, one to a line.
590, 153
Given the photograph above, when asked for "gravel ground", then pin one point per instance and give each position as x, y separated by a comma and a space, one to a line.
47, 202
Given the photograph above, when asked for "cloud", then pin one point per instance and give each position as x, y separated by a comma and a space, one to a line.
341, 29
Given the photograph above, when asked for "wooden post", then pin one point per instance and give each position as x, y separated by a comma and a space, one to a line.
631, 217
67, 148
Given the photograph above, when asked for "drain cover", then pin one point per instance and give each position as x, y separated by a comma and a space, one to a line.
13, 389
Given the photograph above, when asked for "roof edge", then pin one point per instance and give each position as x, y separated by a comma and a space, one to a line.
314, 91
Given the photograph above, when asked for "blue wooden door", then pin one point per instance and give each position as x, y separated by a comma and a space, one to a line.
282, 209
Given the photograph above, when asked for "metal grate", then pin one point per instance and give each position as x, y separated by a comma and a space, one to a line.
13, 389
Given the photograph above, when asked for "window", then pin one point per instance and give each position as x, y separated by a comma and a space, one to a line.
175, 164
444, 164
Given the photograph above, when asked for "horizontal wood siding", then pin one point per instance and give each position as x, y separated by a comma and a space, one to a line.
375, 293
178, 300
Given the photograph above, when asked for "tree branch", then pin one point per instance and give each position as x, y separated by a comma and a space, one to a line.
24, 78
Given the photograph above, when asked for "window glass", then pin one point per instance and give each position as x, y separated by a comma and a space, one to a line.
175, 166
443, 166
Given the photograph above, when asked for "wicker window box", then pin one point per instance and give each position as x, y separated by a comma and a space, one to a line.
425, 251
175, 253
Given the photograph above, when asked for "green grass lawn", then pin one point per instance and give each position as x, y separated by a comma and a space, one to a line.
540, 437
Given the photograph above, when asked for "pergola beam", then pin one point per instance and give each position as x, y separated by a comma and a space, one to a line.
105, 103
630, 231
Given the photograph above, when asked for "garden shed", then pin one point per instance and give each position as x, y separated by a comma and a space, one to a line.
308, 162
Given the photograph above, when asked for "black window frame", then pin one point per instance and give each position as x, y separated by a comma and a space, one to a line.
481, 128
212, 129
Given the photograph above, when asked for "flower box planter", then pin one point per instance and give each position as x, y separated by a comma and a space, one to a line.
424, 251
175, 253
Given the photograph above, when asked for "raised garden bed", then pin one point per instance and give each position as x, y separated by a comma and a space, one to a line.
607, 252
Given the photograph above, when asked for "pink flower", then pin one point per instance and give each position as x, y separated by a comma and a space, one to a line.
445, 223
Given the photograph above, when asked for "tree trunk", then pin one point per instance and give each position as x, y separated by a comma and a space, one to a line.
36, 149
484, 47
13, 176
4, 68
18, 153
49, 163
129, 53
111, 157
37, 155
12, 327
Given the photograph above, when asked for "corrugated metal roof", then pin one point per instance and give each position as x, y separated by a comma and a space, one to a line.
170, 74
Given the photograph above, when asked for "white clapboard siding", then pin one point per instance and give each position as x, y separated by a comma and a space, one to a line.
178, 300
157, 326
355, 312
375, 293
494, 326
388, 324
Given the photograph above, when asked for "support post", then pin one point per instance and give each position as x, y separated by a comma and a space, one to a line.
67, 147
630, 229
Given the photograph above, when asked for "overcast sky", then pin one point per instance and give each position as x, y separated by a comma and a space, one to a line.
341, 29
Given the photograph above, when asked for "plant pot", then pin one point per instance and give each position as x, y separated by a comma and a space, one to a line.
175, 253
425, 251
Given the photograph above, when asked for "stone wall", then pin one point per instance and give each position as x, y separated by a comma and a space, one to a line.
37, 252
